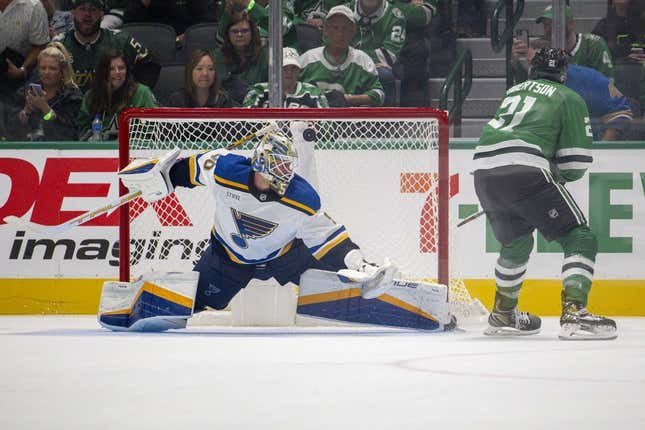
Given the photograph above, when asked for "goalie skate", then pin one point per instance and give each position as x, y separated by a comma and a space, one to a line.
577, 323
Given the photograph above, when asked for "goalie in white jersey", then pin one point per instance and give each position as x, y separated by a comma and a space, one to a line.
268, 220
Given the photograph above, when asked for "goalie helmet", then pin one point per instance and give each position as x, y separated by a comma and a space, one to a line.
275, 158
549, 63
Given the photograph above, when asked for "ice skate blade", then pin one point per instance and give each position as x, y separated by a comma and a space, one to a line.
575, 332
508, 331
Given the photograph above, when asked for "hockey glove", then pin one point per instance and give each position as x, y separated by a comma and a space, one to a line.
151, 177
375, 280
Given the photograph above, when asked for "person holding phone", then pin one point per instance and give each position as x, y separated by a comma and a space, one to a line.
51, 104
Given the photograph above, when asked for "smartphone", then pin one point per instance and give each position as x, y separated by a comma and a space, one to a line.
523, 35
36, 88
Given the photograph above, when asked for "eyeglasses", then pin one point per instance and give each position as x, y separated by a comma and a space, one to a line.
240, 31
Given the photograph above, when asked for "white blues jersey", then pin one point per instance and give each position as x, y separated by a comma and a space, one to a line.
254, 226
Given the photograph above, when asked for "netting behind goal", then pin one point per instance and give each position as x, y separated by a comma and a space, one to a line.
383, 173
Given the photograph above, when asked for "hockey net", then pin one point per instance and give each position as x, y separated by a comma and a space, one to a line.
383, 173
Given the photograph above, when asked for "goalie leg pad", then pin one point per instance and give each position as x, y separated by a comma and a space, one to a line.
158, 301
409, 304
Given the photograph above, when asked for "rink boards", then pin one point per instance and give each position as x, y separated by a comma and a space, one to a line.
53, 182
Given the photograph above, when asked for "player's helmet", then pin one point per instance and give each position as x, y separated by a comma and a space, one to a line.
549, 63
275, 158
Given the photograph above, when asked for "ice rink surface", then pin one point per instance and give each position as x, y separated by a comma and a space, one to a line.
68, 373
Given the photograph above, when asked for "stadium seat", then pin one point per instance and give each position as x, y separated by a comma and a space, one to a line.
171, 79
160, 39
199, 36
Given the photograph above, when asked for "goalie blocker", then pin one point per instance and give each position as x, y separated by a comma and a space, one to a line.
161, 301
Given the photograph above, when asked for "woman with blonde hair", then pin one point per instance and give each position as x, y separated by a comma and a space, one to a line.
51, 103
201, 84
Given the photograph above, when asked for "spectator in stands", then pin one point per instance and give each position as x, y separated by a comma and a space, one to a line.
609, 109
258, 12
624, 31
24, 32
415, 55
585, 49
50, 105
60, 21
309, 17
381, 34
179, 14
88, 41
201, 85
347, 75
295, 94
471, 18
113, 18
113, 90
242, 61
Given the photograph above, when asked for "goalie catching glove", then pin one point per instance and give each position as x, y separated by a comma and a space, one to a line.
150, 176
375, 280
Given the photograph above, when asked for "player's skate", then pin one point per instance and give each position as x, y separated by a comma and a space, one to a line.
512, 323
577, 323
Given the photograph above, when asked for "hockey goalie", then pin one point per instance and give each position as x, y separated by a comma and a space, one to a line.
268, 223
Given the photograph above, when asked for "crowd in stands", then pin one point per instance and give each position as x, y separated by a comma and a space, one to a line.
65, 62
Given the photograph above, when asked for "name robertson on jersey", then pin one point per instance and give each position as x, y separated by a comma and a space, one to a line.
535, 87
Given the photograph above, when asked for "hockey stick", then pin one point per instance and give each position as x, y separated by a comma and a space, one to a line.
56, 229
470, 218
91, 214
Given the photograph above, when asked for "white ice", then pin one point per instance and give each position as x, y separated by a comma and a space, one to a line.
68, 373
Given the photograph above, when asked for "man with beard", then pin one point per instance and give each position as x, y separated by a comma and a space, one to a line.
88, 41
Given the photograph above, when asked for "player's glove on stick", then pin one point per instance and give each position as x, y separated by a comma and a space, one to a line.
151, 177
375, 280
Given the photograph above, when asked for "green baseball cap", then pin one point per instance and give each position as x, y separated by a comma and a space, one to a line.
98, 3
548, 14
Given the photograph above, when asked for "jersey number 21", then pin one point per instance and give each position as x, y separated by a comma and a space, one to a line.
511, 104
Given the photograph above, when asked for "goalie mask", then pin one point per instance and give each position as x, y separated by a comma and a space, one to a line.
275, 158
549, 63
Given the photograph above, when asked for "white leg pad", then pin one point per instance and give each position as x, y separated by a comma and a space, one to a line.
157, 301
406, 304
265, 304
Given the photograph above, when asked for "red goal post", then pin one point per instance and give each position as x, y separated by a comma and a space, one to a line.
358, 135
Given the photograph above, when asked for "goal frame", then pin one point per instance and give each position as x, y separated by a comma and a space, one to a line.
443, 269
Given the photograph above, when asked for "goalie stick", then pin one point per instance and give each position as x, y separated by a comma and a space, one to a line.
91, 214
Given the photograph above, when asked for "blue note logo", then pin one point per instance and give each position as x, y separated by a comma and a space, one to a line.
250, 227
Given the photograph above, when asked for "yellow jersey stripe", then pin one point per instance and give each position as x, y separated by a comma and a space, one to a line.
223, 181
298, 205
329, 245
192, 169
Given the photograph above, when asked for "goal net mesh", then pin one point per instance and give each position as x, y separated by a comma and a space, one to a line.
378, 177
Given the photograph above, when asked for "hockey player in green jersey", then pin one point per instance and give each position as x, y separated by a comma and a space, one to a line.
539, 139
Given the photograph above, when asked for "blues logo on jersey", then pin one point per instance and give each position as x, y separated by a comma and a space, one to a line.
250, 227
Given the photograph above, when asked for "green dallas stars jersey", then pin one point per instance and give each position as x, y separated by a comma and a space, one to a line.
86, 57
355, 75
539, 123
382, 34
592, 51
305, 96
